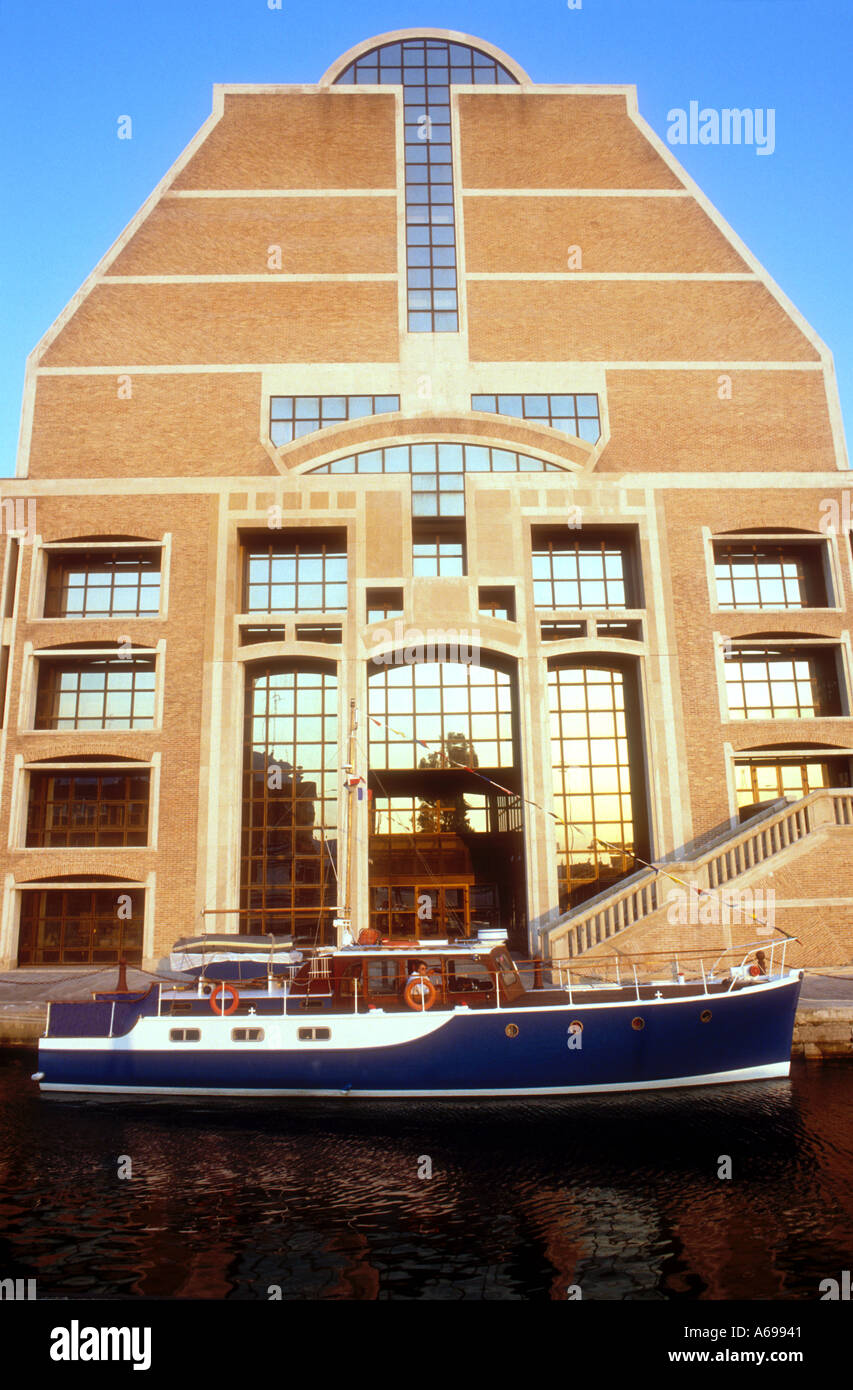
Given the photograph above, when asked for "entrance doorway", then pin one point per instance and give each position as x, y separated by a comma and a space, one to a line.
446, 828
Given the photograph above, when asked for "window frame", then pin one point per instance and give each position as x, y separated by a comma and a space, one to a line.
322, 537
78, 656
38, 589
826, 566
542, 538
783, 649
439, 531
83, 769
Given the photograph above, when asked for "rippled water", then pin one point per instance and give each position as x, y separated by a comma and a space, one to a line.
620, 1195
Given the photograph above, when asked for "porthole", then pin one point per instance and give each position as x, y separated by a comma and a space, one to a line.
511, 1030
705, 1016
638, 1024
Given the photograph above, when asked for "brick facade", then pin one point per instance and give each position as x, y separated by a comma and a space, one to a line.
146, 420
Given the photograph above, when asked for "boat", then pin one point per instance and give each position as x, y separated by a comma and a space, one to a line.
430, 1019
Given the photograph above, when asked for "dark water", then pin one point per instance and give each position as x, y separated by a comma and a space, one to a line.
618, 1195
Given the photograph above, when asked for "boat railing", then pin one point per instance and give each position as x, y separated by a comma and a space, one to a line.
759, 960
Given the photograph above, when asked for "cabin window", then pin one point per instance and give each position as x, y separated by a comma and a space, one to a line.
509, 974
383, 977
314, 1034
468, 976
184, 1035
247, 1034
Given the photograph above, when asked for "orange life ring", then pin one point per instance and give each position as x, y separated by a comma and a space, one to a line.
755, 970
368, 936
224, 988
420, 993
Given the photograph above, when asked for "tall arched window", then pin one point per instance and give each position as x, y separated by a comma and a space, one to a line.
290, 789
446, 841
592, 776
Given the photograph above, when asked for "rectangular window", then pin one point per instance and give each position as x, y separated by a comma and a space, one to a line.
762, 575
102, 584
562, 632
75, 809
314, 1034
497, 603
247, 1034
759, 781
574, 414
81, 926
100, 693
782, 683
298, 572
292, 417
327, 632
588, 571
250, 634
437, 550
184, 1035
383, 604
628, 631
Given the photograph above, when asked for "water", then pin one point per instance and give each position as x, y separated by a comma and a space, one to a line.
619, 1195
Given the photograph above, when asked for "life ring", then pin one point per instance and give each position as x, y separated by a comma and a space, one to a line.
368, 936
755, 970
420, 993
224, 988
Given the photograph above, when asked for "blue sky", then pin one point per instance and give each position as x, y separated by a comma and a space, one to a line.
69, 71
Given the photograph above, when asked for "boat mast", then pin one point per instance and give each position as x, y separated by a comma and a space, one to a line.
344, 919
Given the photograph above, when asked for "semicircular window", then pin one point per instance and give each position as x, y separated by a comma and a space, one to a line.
426, 67
437, 470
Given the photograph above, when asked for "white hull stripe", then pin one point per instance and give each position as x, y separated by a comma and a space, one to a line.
773, 1069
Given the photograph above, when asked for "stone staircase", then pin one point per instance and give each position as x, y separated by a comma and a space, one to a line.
749, 856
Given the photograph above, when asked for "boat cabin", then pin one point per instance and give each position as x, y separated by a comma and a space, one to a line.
406, 977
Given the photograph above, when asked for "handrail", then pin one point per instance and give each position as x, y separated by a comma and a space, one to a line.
745, 849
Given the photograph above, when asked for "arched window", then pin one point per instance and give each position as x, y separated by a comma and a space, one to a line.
426, 67
438, 470
290, 790
437, 714
446, 840
591, 735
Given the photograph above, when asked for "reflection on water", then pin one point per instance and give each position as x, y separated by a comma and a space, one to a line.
620, 1195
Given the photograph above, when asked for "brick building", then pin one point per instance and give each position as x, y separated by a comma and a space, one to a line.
445, 397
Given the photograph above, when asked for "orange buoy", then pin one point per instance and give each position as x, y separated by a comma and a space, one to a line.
223, 989
420, 993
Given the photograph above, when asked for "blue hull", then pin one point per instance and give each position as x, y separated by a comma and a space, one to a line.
490, 1052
